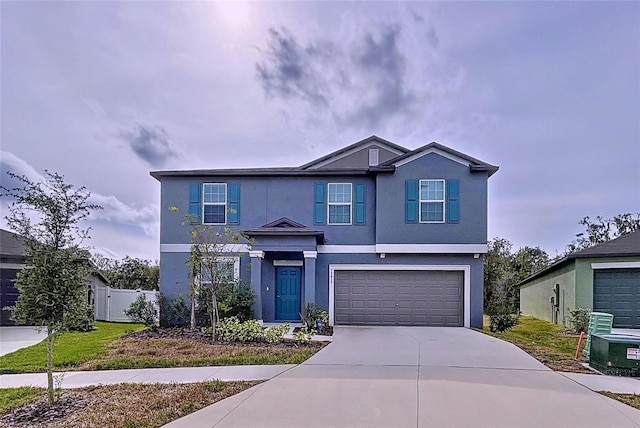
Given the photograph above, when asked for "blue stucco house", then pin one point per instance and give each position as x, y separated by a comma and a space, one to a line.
374, 233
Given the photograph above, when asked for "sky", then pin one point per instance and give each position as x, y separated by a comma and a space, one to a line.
104, 92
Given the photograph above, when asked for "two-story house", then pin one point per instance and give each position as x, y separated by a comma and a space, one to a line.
374, 233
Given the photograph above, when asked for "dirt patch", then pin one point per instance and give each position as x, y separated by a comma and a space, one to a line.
632, 400
555, 360
131, 405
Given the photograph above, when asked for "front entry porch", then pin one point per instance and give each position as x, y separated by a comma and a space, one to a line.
283, 269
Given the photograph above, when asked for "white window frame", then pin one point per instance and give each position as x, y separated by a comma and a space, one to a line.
225, 259
443, 200
329, 204
226, 201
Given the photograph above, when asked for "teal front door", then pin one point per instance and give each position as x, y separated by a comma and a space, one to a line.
288, 293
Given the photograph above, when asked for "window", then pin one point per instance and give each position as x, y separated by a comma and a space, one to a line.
339, 203
227, 270
431, 201
214, 203
374, 157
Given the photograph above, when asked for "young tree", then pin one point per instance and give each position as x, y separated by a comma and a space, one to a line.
211, 248
53, 285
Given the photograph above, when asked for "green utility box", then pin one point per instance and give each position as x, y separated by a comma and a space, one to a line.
599, 323
615, 354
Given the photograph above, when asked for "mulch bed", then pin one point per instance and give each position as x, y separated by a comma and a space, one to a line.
184, 333
41, 412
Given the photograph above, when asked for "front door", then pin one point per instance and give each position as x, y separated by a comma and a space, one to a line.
288, 293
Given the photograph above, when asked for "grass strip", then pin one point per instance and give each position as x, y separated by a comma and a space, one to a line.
69, 350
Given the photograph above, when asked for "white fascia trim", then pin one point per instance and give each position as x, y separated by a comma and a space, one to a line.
356, 149
433, 150
615, 265
186, 248
346, 249
464, 268
16, 266
256, 253
431, 248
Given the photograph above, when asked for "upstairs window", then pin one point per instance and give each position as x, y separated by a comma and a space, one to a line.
214, 206
432, 201
339, 203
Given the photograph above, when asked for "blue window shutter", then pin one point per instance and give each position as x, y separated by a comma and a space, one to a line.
411, 201
195, 209
453, 201
359, 209
233, 203
319, 212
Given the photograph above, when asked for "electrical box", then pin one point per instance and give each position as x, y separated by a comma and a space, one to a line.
599, 323
615, 354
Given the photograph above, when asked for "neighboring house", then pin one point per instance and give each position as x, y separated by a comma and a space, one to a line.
12, 261
603, 278
373, 233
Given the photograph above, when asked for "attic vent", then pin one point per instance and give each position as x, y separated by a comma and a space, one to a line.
374, 157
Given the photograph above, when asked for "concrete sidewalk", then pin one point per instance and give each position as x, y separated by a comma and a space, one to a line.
164, 375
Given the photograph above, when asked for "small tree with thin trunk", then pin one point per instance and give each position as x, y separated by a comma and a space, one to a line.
211, 247
53, 286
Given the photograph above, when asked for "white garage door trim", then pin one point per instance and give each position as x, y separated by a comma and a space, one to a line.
466, 269
615, 265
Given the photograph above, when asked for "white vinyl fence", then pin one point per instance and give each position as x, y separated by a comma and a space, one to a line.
110, 303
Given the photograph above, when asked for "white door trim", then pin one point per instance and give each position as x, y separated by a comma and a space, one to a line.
466, 269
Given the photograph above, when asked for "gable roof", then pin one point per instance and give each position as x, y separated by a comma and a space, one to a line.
355, 147
473, 163
11, 244
623, 246
312, 168
285, 227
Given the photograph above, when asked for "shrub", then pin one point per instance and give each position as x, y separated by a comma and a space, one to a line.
275, 334
232, 330
304, 335
236, 300
500, 322
142, 311
81, 318
313, 315
173, 311
579, 319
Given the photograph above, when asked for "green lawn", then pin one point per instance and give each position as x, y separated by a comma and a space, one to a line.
11, 398
69, 350
551, 344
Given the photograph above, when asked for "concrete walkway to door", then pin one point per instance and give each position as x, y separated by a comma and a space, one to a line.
416, 377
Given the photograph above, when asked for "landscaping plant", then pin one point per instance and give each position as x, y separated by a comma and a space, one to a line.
47, 215
142, 311
314, 317
579, 319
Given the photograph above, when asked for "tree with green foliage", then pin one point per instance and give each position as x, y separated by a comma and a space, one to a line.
53, 286
603, 230
129, 273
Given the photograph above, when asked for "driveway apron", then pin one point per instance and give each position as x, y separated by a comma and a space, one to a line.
416, 377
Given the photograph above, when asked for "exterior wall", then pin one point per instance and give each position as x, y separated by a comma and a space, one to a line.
534, 297
584, 277
391, 227
263, 200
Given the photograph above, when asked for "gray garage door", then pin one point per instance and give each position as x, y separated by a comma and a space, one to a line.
617, 291
424, 298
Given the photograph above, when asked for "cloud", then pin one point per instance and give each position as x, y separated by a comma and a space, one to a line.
136, 218
151, 143
361, 81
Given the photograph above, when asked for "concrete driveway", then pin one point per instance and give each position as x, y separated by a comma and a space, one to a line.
13, 338
416, 377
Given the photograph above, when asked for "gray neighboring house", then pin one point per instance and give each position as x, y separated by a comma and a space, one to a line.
374, 233
12, 261
603, 278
